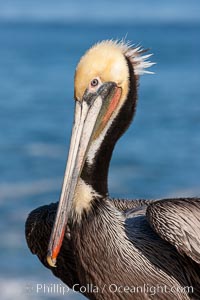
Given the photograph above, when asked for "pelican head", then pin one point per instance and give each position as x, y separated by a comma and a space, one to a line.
105, 79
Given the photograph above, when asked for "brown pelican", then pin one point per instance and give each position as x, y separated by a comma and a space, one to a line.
108, 248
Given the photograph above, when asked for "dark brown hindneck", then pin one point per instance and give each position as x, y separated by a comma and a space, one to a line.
96, 174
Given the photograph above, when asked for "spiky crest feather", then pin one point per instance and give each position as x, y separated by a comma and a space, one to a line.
134, 54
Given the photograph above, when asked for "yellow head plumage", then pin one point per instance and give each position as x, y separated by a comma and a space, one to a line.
107, 60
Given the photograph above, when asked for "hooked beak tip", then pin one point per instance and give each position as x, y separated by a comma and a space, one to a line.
51, 261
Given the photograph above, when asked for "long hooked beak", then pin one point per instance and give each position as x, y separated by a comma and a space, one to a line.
91, 116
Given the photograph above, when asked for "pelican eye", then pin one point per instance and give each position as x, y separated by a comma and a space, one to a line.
94, 82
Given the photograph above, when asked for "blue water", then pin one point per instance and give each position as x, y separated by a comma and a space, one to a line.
158, 157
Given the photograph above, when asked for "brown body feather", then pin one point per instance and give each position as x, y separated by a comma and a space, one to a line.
129, 254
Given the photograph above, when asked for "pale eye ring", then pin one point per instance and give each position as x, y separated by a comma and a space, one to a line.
94, 82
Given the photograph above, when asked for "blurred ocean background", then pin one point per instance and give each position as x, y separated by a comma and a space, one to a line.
40, 45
